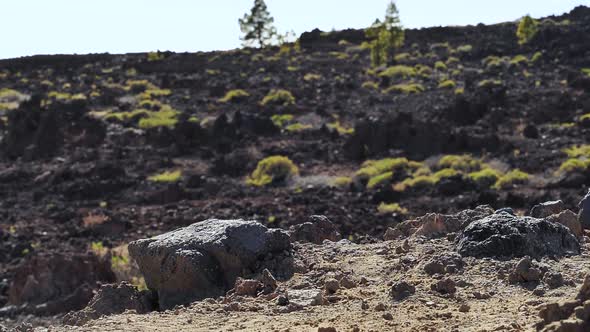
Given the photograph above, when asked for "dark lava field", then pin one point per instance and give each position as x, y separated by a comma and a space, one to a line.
99, 150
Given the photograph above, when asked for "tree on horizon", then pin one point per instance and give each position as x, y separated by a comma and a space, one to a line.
257, 26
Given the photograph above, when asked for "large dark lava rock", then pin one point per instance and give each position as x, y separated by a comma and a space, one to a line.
204, 259
506, 235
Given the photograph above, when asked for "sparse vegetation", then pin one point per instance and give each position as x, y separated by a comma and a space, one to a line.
312, 77
464, 48
512, 178
235, 96
447, 84
273, 170
166, 177
370, 85
278, 97
578, 159
297, 127
280, 120
527, 29
384, 208
407, 88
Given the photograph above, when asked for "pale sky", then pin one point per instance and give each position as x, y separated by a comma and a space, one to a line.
118, 26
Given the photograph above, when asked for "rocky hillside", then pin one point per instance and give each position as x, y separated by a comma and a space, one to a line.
100, 150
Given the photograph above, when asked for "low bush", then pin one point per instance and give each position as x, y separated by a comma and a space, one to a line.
518, 60
406, 88
489, 83
384, 208
235, 96
166, 177
312, 77
440, 66
447, 84
297, 127
465, 48
512, 178
464, 163
342, 181
485, 178
278, 97
273, 170
370, 85
280, 120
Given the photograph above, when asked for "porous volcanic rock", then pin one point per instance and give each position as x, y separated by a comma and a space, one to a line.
506, 235
110, 300
51, 283
568, 316
316, 230
205, 259
546, 209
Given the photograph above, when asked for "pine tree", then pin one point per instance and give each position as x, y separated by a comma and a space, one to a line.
527, 29
257, 26
386, 36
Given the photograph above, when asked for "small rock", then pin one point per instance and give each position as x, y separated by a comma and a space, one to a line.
525, 271
247, 287
401, 290
327, 329
364, 305
584, 214
282, 300
380, 307
569, 220
539, 291
305, 297
553, 279
464, 308
444, 286
316, 230
347, 282
331, 286
546, 209
268, 281
388, 316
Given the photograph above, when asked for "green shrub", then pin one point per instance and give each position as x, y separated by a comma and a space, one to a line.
486, 177
165, 117
464, 163
167, 177
237, 95
519, 60
511, 178
578, 151
452, 60
536, 57
399, 71
376, 180
417, 182
407, 88
402, 57
527, 29
342, 181
489, 83
340, 128
439, 65
155, 56
272, 170
312, 77
297, 127
391, 208
278, 97
447, 84
280, 120
423, 70
574, 165
459, 91
586, 71
374, 168
370, 85
125, 116
465, 48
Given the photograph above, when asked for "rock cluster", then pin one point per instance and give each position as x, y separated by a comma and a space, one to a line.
205, 259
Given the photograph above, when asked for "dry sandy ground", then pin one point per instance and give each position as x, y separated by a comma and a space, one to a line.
493, 303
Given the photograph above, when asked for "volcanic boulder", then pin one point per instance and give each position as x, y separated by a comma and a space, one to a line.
506, 235
112, 299
205, 259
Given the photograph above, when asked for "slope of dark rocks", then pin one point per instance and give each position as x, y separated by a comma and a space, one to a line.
74, 172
